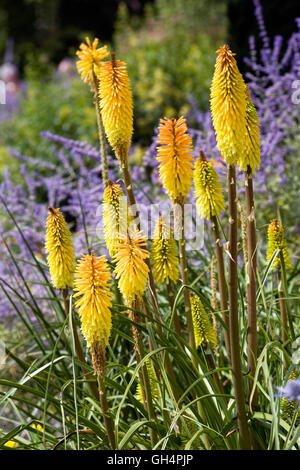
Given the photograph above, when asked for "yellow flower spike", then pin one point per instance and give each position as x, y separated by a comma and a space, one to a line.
174, 152
228, 106
116, 106
276, 241
208, 190
114, 215
203, 328
131, 269
90, 58
251, 154
153, 384
60, 251
164, 254
91, 285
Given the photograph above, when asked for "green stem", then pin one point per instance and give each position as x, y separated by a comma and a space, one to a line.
109, 424
221, 281
251, 279
285, 291
233, 313
171, 302
283, 315
143, 372
179, 229
101, 133
165, 359
70, 434
212, 366
179, 222
78, 349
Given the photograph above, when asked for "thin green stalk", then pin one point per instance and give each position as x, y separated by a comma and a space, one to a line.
79, 352
283, 314
221, 281
179, 228
212, 366
143, 372
68, 436
171, 302
109, 424
251, 278
101, 133
285, 291
292, 427
164, 357
233, 313
179, 221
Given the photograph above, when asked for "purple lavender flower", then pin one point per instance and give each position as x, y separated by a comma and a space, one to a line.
291, 391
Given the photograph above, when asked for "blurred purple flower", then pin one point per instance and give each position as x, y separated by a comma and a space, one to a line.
291, 390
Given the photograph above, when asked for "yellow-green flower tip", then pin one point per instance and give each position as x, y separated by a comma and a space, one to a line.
153, 384
276, 241
288, 407
203, 329
114, 216
208, 190
59, 248
164, 254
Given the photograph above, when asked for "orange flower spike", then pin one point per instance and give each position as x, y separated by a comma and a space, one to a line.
174, 152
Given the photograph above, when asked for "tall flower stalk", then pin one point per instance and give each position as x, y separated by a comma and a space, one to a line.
213, 298
117, 113
250, 159
88, 67
174, 154
92, 281
276, 241
210, 202
132, 274
228, 107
